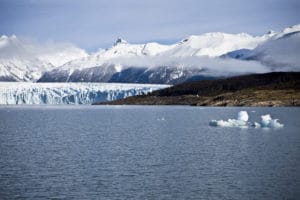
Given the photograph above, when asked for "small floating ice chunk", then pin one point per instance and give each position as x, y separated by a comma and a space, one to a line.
268, 122
161, 119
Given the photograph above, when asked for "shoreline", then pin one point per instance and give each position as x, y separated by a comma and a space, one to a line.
262, 98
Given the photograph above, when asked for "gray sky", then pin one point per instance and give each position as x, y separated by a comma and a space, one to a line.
92, 24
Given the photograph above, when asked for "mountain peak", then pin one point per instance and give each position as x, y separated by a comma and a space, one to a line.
120, 41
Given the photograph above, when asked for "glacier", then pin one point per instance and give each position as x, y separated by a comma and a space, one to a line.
69, 93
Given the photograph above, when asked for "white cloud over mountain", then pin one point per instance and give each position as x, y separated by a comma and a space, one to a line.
26, 60
197, 55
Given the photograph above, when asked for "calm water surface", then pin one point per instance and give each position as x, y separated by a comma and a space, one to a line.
144, 152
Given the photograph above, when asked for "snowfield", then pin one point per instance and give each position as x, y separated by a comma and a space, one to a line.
69, 93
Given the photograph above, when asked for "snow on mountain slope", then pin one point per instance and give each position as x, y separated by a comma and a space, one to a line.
69, 93
291, 29
153, 48
120, 49
18, 69
215, 44
281, 54
197, 55
22, 60
210, 44
144, 61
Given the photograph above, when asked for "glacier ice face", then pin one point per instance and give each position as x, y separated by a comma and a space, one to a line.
69, 93
242, 122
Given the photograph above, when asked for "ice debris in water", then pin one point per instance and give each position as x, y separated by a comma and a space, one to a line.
161, 119
242, 122
243, 116
268, 122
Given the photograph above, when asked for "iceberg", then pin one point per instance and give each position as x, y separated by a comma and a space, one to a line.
243, 116
268, 122
242, 122
228, 123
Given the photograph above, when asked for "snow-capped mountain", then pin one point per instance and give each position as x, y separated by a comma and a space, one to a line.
215, 44
197, 56
22, 60
153, 62
279, 53
69, 93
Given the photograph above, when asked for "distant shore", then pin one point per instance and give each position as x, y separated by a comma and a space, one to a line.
271, 89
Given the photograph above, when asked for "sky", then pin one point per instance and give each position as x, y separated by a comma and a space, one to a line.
94, 24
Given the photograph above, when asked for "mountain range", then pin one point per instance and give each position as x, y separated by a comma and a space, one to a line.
206, 56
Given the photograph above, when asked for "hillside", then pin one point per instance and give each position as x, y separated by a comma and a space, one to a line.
271, 89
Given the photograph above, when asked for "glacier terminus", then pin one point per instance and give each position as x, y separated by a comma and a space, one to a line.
69, 93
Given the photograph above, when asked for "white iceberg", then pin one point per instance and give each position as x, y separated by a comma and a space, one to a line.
268, 122
243, 116
228, 123
242, 122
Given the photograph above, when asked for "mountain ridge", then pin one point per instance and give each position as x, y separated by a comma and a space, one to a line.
195, 56
214, 54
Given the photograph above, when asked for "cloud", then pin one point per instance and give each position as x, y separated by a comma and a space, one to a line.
50, 52
99, 22
281, 54
211, 66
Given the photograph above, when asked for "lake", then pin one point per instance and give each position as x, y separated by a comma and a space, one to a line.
146, 152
